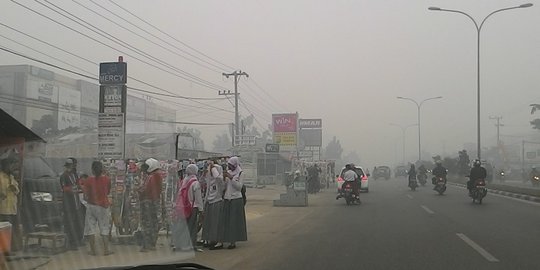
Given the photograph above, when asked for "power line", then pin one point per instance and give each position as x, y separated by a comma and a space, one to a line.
268, 95
113, 48
92, 62
139, 35
123, 43
254, 117
170, 36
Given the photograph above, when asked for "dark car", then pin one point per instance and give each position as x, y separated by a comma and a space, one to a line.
382, 172
41, 194
400, 171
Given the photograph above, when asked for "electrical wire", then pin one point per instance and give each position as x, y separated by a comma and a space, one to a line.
115, 49
145, 38
168, 35
122, 43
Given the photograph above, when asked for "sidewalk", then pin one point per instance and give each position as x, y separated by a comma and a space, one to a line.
259, 203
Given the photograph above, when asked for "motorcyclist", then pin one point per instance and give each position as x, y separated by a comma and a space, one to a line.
411, 173
439, 171
477, 172
351, 176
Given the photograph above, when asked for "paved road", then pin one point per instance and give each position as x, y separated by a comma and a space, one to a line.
394, 228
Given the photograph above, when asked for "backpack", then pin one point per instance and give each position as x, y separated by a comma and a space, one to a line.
184, 208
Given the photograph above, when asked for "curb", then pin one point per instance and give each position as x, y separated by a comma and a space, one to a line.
505, 193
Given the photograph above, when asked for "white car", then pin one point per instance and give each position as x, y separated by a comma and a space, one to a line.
364, 178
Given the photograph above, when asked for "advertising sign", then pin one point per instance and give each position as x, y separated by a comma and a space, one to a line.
42, 90
310, 123
113, 73
284, 122
113, 98
311, 137
111, 136
285, 138
272, 148
69, 108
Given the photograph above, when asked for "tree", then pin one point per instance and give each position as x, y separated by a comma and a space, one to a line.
45, 126
352, 157
536, 122
333, 150
222, 143
192, 138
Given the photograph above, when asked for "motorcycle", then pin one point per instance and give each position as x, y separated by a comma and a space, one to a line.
348, 194
422, 178
412, 183
479, 191
535, 180
440, 185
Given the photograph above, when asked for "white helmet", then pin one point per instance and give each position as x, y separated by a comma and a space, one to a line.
153, 164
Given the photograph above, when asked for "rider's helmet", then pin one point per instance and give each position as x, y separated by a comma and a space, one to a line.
477, 163
438, 162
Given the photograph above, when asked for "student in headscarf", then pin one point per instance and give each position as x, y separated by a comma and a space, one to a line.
150, 200
233, 207
184, 227
212, 231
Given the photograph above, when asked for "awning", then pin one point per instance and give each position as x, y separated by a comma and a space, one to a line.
10, 127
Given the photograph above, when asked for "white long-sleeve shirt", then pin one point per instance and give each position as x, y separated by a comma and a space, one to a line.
350, 176
195, 194
215, 185
233, 188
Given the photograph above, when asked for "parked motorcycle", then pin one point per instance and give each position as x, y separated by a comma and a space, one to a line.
348, 194
422, 178
479, 191
440, 185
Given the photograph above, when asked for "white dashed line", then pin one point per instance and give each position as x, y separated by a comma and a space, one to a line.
478, 248
427, 209
409, 196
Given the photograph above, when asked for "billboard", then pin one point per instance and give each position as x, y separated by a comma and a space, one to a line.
310, 123
285, 138
41, 89
311, 137
284, 122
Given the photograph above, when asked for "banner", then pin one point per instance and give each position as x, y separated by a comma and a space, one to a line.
284, 122
310, 123
285, 138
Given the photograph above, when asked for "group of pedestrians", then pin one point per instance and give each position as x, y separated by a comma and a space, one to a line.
212, 202
86, 206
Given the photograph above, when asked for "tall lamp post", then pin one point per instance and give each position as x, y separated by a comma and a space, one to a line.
478, 29
403, 130
419, 105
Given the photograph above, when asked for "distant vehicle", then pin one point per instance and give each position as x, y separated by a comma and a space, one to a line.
382, 172
41, 194
364, 180
400, 171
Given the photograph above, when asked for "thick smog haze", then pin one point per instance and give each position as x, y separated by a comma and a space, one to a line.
343, 61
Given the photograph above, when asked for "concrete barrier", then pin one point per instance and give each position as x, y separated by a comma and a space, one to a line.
500, 187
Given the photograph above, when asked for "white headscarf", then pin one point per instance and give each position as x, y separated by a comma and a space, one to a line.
191, 171
235, 161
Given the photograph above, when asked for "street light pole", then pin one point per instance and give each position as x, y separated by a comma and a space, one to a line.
478, 29
419, 105
403, 130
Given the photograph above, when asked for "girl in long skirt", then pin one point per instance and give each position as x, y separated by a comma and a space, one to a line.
233, 207
212, 231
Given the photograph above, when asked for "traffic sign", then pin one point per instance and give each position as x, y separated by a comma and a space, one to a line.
272, 148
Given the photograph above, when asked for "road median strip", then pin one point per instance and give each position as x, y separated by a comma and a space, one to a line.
508, 191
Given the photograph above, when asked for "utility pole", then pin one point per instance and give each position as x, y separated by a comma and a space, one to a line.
237, 74
498, 125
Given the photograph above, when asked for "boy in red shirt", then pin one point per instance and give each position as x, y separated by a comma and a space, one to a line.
98, 214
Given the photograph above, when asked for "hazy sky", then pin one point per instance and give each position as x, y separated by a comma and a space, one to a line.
343, 61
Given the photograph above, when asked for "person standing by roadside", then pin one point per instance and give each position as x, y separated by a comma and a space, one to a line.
96, 190
233, 208
82, 208
71, 206
150, 194
212, 231
9, 191
188, 207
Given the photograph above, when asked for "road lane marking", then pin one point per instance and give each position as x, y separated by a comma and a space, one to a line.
409, 196
507, 197
478, 248
427, 209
